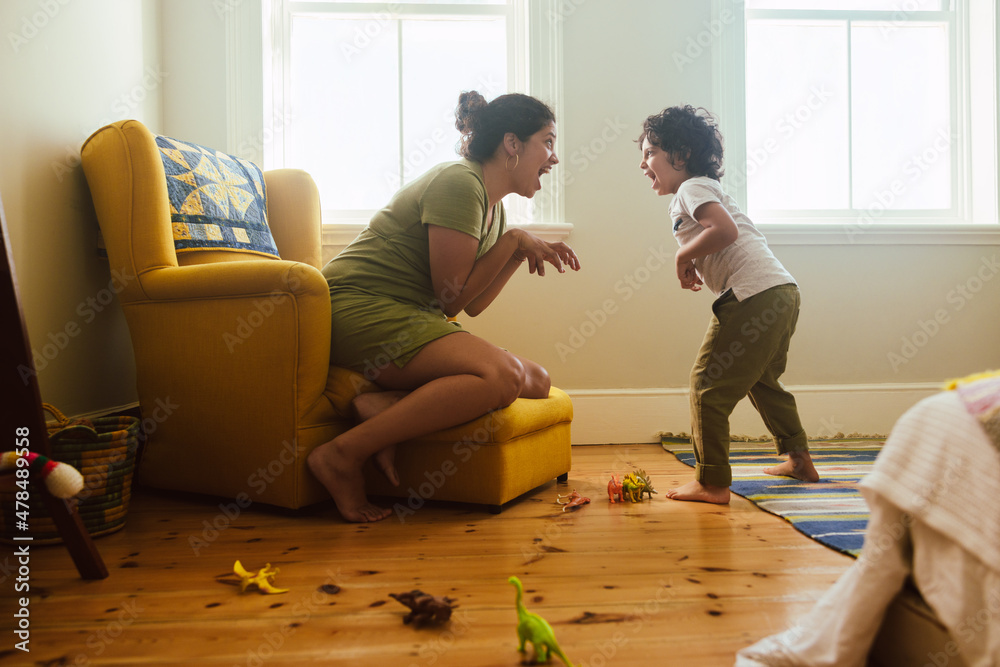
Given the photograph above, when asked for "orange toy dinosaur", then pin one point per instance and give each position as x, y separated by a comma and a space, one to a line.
615, 490
574, 500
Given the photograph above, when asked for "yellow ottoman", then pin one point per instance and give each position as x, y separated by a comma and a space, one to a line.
489, 461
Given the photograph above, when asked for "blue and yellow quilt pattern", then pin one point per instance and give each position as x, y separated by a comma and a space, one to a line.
217, 201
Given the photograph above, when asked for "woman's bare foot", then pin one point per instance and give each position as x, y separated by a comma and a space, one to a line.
799, 465
371, 403
385, 460
698, 492
344, 481
365, 407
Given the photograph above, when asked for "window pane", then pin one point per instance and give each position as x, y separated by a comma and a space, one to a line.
797, 125
344, 126
903, 8
902, 132
440, 60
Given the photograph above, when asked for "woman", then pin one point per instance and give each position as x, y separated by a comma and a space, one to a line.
440, 247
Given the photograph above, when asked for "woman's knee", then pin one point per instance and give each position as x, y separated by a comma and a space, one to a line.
537, 381
507, 378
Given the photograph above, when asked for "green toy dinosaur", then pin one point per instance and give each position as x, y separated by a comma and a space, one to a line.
533, 628
646, 486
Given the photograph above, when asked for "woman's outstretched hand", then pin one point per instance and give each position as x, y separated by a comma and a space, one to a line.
537, 252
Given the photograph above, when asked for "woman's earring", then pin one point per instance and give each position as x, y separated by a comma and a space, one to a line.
506, 165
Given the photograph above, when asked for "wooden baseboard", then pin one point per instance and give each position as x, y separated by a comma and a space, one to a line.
603, 416
611, 416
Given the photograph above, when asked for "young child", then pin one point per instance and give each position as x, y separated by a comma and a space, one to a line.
754, 314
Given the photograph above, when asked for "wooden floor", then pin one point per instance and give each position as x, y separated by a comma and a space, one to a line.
657, 583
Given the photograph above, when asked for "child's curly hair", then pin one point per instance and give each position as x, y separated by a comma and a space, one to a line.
685, 131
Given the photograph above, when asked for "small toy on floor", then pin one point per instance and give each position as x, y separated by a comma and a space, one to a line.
425, 608
533, 628
647, 487
573, 500
263, 580
631, 487
615, 490
61, 479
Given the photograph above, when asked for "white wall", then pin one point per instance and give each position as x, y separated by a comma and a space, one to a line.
67, 69
194, 46
215, 46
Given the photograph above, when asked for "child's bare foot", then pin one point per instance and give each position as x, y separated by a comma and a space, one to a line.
385, 460
698, 492
371, 403
799, 465
344, 481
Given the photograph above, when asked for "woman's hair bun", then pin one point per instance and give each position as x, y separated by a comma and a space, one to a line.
470, 103
483, 125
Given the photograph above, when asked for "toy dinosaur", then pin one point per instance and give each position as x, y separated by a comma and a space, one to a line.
615, 490
425, 608
574, 500
647, 487
533, 628
263, 580
631, 488
634, 485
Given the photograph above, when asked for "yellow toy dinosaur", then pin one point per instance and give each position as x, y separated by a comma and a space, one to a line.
264, 579
635, 484
533, 628
631, 487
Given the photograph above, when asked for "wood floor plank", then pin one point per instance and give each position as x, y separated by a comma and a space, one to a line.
619, 583
312, 632
199, 600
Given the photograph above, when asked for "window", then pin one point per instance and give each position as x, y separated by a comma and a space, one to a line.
863, 112
363, 93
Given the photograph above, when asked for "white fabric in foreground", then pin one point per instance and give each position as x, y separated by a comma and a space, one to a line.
934, 494
939, 466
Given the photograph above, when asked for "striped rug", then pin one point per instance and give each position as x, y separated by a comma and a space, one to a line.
830, 511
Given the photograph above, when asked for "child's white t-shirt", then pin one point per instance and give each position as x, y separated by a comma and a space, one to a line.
747, 266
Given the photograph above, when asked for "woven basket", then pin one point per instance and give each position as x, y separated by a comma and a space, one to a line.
103, 450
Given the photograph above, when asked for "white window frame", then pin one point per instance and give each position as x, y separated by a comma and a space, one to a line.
971, 221
534, 67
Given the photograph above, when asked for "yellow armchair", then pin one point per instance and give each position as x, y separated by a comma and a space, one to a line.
232, 353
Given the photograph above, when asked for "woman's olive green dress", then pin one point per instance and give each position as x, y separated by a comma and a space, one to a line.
384, 306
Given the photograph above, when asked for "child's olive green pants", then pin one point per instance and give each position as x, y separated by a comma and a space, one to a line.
744, 354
